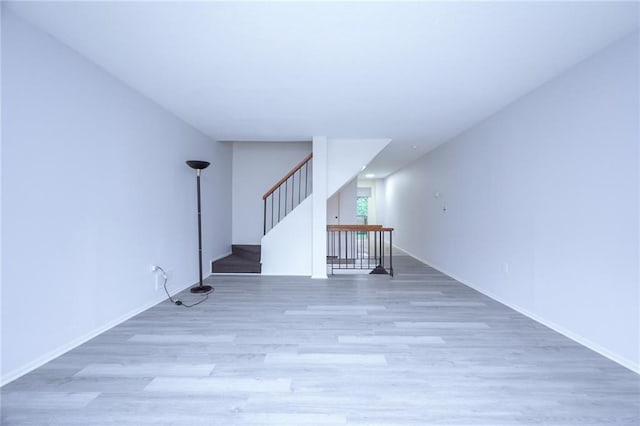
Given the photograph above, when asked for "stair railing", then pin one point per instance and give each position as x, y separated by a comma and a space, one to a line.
367, 247
287, 193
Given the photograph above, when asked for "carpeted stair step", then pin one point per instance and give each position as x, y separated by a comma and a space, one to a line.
243, 259
248, 251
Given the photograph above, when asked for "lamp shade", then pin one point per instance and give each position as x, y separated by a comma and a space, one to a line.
198, 165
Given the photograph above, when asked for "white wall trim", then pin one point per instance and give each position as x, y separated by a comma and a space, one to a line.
627, 363
40, 361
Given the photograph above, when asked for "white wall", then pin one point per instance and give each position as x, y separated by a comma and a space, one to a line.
286, 249
348, 203
346, 157
1, 209
319, 208
94, 191
381, 202
333, 209
342, 206
541, 204
257, 166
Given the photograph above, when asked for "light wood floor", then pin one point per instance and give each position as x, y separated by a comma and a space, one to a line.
416, 349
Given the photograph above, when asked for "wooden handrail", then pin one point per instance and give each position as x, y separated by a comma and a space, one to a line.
287, 176
358, 228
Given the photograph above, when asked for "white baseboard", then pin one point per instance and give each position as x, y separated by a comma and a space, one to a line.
49, 356
627, 363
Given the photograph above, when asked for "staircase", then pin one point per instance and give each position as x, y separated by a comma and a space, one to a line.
287, 193
243, 259
292, 243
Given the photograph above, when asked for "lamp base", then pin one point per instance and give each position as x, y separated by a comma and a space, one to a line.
201, 289
379, 270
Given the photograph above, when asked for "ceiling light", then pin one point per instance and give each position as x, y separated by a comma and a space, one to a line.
370, 175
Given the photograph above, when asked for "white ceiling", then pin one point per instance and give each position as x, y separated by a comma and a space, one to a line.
419, 73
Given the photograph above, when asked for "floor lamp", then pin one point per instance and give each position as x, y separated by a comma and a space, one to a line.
199, 166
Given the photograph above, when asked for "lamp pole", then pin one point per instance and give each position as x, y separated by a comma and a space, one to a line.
199, 166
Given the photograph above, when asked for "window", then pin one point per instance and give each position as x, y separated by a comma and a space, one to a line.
362, 210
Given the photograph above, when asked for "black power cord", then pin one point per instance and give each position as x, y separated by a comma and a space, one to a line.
176, 301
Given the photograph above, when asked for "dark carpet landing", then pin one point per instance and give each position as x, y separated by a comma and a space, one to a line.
243, 259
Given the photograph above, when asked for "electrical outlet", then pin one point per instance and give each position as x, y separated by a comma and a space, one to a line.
161, 274
156, 277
